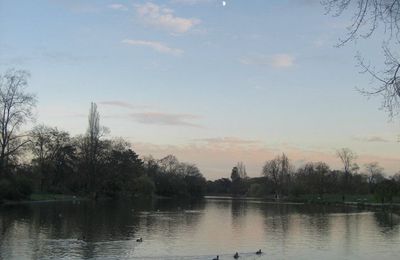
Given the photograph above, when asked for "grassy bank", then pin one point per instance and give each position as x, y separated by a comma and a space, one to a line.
44, 197
338, 198
51, 197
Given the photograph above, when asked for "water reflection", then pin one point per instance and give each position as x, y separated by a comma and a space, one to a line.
194, 230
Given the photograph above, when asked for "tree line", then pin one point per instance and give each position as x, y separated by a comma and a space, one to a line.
281, 180
49, 160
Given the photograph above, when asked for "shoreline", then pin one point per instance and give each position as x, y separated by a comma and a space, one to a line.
50, 198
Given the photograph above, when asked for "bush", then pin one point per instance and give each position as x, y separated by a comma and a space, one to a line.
15, 189
144, 186
256, 190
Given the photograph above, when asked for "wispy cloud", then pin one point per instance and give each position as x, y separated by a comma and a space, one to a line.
276, 61
157, 46
160, 118
164, 18
230, 141
371, 139
282, 61
118, 103
119, 7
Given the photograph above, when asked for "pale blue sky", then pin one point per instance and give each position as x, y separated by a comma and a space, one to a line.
211, 84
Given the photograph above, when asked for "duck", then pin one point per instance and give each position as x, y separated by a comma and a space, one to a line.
139, 240
216, 258
236, 255
259, 252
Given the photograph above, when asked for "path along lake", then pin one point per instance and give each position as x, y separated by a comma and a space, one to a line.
195, 230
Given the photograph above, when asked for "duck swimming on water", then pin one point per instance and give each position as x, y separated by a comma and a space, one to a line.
139, 240
236, 255
259, 252
216, 258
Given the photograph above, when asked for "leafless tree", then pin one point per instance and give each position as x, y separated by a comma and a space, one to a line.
16, 109
369, 15
347, 157
48, 146
278, 170
241, 168
374, 173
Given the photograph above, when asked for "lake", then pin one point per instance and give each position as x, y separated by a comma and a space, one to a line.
195, 230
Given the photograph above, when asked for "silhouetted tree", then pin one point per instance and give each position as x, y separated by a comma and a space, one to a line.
238, 177
16, 108
53, 154
312, 178
279, 171
374, 175
120, 170
347, 157
92, 146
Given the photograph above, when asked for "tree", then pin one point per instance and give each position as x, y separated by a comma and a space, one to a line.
238, 176
241, 169
347, 157
368, 16
278, 170
92, 144
235, 174
52, 151
374, 174
169, 164
312, 178
121, 168
16, 109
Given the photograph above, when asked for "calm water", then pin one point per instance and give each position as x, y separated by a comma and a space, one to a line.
200, 230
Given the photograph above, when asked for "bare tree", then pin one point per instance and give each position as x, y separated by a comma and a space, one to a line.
374, 173
48, 146
368, 16
347, 157
278, 170
16, 109
241, 168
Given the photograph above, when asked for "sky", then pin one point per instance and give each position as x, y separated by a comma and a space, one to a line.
210, 83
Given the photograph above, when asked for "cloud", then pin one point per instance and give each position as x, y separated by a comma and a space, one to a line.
228, 141
118, 103
276, 61
371, 139
282, 61
119, 7
164, 18
160, 118
157, 46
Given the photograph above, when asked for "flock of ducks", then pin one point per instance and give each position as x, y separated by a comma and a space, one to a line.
236, 255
